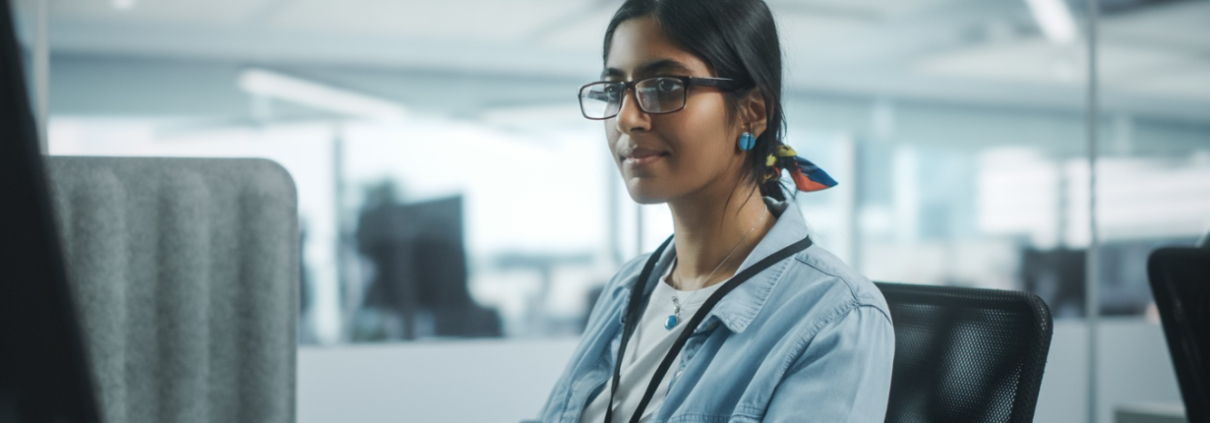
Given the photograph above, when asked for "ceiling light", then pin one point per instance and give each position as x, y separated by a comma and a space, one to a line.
317, 95
123, 4
1055, 19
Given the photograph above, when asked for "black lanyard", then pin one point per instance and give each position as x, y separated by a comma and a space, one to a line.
634, 312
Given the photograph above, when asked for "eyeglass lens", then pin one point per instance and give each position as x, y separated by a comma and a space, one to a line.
603, 100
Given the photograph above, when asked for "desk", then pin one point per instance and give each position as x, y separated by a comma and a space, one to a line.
1150, 412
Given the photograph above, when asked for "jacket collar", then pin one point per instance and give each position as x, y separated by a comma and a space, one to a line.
740, 306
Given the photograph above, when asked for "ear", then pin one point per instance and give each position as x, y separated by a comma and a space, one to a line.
754, 113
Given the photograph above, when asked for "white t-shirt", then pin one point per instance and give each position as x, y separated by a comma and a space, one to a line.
646, 349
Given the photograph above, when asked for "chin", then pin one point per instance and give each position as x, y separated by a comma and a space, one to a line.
647, 200
643, 192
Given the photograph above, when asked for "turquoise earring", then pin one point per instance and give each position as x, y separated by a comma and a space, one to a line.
747, 141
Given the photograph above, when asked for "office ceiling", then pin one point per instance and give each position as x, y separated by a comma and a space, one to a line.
1155, 55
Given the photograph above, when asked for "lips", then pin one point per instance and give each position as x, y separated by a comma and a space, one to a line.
638, 156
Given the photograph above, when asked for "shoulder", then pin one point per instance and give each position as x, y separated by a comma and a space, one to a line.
613, 297
629, 272
822, 280
622, 280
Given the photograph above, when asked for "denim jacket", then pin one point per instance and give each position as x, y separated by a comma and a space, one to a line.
808, 339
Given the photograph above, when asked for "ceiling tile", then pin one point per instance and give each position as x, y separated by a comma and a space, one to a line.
869, 8
1179, 24
1036, 60
800, 31
210, 12
1032, 60
586, 32
489, 21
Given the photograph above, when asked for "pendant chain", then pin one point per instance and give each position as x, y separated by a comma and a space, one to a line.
676, 304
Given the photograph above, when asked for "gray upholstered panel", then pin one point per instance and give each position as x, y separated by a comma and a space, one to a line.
186, 273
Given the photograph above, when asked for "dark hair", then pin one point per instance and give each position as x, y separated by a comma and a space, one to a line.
738, 40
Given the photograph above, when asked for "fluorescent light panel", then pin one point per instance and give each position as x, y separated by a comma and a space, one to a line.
318, 95
1055, 19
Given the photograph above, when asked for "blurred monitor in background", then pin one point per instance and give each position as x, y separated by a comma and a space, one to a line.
1058, 276
419, 283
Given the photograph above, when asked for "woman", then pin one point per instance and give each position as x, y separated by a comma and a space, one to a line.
739, 317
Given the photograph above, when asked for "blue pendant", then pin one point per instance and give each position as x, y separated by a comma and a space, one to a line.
671, 322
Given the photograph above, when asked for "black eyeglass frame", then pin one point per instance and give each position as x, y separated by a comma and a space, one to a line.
726, 84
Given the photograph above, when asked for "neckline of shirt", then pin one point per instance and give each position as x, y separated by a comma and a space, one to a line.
689, 298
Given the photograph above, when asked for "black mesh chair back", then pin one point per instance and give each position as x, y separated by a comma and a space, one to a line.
1180, 282
965, 354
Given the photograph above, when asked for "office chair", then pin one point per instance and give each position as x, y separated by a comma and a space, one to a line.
186, 274
1180, 283
965, 354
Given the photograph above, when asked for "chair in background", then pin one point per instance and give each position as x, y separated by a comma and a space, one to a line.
1180, 283
965, 354
186, 273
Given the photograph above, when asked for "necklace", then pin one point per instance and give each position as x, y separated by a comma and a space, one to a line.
675, 318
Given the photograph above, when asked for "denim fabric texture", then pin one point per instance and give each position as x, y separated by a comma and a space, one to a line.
808, 339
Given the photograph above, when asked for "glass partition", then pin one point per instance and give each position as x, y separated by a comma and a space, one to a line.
1152, 180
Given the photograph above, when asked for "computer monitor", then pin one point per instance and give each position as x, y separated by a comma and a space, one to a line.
43, 367
420, 268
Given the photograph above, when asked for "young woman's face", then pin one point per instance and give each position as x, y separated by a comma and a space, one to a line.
665, 156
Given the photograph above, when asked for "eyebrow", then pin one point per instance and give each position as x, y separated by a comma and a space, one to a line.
650, 68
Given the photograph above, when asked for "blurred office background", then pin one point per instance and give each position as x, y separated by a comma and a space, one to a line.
459, 213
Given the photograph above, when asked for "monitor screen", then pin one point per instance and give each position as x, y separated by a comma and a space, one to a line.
420, 267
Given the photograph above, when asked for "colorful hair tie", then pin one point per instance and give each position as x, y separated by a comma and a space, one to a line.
806, 175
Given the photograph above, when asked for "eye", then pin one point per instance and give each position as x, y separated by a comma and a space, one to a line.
667, 85
613, 91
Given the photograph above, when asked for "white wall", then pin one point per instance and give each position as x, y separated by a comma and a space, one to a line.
507, 381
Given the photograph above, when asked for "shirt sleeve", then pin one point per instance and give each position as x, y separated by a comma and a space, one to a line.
844, 374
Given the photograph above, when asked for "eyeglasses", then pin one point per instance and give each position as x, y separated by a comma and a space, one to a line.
661, 94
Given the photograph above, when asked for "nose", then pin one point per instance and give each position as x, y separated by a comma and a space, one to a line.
630, 118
